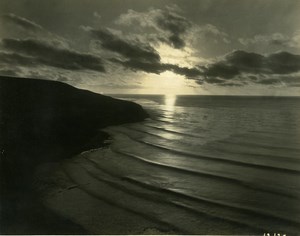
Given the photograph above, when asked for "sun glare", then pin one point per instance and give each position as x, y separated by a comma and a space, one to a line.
171, 82
170, 100
173, 56
165, 83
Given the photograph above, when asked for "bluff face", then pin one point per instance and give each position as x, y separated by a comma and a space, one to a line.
44, 120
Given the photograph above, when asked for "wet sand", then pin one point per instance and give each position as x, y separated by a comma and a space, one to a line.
88, 202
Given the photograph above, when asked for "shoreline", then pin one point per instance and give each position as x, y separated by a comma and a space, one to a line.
23, 211
60, 191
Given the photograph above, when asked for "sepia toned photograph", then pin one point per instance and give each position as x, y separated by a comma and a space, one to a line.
150, 117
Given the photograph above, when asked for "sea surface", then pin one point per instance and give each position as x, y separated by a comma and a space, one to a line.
208, 164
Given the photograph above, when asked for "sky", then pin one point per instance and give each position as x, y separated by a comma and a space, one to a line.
203, 47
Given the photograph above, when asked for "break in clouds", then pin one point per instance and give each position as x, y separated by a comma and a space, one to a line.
139, 41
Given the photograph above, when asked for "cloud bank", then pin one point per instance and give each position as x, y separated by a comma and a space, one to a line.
32, 52
242, 67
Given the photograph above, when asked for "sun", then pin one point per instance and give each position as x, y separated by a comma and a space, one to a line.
174, 56
164, 83
172, 82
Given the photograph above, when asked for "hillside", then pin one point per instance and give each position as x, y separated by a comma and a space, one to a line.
46, 121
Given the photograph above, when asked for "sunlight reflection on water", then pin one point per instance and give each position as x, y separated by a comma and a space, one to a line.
170, 100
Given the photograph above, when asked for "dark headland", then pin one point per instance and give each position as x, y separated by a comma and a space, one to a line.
44, 121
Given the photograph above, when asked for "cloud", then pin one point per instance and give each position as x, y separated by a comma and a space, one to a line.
234, 64
211, 32
175, 25
157, 68
97, 15
185, 71
154, 67
130, 50
14, 59
287, 80
283, 63
22, 22
136, 55
9, 72
269, 81
135, 51
169, 25
20, 27
276, 39
244, 67
32, 52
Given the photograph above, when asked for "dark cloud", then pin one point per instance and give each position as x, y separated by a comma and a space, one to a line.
136, 65
215, 80
245, 61
232, 84
221, 69
187, 72
269, 81
283, 63
175, 25
130, 50
14, 59
157, 68
31, 52
278, 80
239, 63
19, 27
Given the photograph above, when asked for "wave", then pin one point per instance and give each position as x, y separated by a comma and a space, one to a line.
275, 137
267, 141
250, 146
218, 156
224, 211
95, 189
257, 186
145, 128
132, 187
276, 153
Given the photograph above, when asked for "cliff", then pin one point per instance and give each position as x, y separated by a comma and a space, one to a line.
45, 121
42, 115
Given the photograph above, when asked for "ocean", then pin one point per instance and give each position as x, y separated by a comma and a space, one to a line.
207, 164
